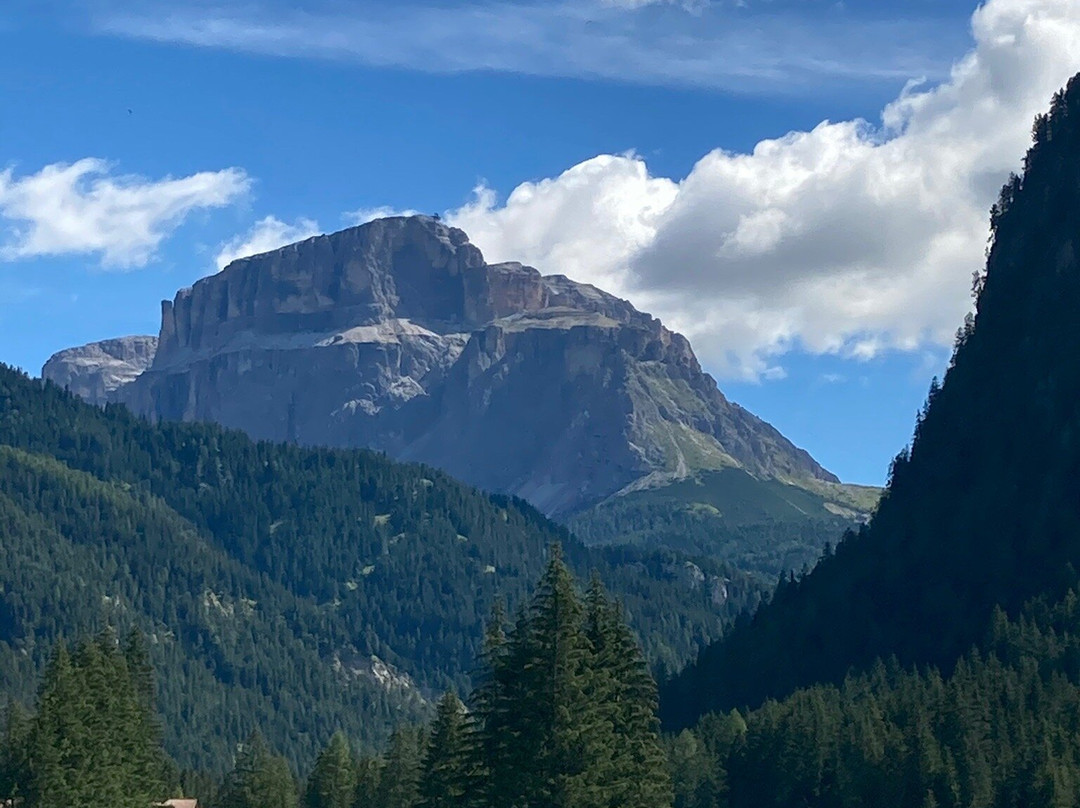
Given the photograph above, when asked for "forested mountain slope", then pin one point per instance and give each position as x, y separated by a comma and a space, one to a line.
765, 527
1002, 730
983, 511
291, 589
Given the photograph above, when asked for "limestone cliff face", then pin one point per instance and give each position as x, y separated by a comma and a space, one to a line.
96, 370
396, 335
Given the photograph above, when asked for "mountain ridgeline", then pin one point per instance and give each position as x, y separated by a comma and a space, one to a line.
982, 511
931, 661
288, 589
398, 336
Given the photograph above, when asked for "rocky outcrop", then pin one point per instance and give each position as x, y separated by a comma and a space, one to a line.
396, 335
94, 371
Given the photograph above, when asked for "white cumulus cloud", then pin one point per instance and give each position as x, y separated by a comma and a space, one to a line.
265, 235
590, 222
852, 238
82, 208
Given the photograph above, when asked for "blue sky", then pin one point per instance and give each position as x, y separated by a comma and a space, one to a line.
635, 127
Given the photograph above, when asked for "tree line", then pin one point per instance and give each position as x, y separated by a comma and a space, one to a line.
981, 509
271, 579
564, 715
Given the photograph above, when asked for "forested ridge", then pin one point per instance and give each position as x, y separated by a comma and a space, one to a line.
564, 714
1002, 730
268, 576
761, 526
981, 511
932, 660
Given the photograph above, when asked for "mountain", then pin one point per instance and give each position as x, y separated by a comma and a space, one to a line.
288, 589
397, 336
766, 527
982, 512
94, 372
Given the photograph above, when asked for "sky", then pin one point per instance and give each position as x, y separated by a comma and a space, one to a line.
799, 186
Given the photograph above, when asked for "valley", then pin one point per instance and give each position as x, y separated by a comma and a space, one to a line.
376, 518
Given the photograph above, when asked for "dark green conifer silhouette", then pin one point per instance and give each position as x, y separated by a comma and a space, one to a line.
259, 779
332, 782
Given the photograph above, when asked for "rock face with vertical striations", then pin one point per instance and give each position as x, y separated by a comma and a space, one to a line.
396, 335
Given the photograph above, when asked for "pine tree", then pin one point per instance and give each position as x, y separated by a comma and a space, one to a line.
143, 736
94, 737
399, 780
447, 780
332, 783
559, 742
368, 772
14, 761
56, 729
636, 773
567, 708
492, 743
259, 779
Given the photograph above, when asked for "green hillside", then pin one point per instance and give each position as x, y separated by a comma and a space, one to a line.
982, 511
296, 590
1001, 730
763, 526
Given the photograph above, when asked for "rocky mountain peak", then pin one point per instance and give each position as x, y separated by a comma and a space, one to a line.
397, 335
96, 370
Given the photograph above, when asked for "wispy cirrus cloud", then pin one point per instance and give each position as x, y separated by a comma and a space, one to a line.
636, 41
692, 6
84, 208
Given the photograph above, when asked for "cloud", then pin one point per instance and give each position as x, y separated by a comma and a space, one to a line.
590, 222
265, 235
639, 41
80, 208
692, 6
851, 239
365, 215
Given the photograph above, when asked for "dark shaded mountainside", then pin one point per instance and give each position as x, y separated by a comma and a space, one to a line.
398, 336
983, 511
290, 589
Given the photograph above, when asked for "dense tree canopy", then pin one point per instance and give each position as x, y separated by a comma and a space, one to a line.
982, 510
282, 587
94, 737
763, 527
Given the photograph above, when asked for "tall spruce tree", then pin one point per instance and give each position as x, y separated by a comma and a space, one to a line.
14, 752
566, 707
559, 741
94, 737
399, 780
493, 744
448, 779
636, 768
332, 783
368, 777
259, 779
